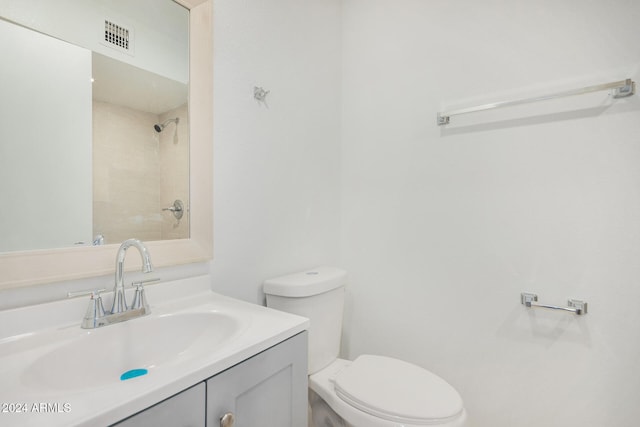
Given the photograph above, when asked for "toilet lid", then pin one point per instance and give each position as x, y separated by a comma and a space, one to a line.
397, 391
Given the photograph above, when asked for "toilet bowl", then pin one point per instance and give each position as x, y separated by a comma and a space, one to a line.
370, 391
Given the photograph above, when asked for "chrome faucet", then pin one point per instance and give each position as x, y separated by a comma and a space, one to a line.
96, 316
119, 302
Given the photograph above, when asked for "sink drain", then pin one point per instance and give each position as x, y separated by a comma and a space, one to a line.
133, 373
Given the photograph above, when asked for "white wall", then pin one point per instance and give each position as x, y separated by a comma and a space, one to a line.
159, 29
443, 228
45, 135
276, 168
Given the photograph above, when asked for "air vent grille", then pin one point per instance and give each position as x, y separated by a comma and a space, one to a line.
116, 35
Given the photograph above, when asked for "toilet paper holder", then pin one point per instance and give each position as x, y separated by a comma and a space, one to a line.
578, 307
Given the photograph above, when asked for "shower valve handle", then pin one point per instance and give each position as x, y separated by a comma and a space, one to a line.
177, 208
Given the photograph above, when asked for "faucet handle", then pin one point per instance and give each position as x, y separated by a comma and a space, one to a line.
139, 298
95, 310
95, 293
144, 282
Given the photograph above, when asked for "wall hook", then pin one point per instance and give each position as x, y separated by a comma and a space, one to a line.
260, 95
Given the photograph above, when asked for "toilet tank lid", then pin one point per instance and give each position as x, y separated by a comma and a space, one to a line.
306, 283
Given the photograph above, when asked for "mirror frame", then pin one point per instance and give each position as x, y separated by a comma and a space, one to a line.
25, 268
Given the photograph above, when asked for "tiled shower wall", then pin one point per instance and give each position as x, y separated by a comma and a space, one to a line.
131, 173
174, 172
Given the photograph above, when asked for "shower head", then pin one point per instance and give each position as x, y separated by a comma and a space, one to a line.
159, 127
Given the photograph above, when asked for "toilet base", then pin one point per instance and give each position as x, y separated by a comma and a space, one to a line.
321, 414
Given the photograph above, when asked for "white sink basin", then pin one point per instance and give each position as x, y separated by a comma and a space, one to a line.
99, 357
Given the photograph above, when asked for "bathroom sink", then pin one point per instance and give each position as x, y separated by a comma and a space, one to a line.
143, 347
192, 334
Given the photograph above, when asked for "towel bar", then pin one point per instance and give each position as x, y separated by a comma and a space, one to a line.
578, 307
621, 89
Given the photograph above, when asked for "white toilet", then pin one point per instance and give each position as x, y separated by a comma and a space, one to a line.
371, 391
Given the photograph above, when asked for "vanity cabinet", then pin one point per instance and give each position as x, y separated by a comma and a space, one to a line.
268, 389
185, 409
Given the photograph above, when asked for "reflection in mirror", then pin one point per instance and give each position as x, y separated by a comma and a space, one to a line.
137, 170
81, 162
45, 141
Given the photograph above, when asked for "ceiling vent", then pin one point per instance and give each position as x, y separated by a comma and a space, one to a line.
118, 37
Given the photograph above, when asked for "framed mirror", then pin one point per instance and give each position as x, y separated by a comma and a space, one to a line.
27, 266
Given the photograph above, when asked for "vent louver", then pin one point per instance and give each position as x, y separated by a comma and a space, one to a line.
116, 35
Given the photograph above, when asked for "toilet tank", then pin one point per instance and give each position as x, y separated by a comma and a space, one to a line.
317, 294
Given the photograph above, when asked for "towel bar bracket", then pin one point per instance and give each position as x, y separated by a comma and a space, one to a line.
442, 120
628, 89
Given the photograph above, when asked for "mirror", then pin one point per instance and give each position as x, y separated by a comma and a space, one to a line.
28, 266
104, 149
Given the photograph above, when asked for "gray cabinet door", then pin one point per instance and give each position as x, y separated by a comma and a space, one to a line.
185, 409
267, 390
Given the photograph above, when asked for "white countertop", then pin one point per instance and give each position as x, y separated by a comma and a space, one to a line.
26, 334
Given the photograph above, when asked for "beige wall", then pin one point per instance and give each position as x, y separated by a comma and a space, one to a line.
131, 171
174, 176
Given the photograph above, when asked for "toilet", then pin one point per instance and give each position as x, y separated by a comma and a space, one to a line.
370, 391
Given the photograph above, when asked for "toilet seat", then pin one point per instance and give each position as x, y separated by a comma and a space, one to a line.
322, 383
397, 391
